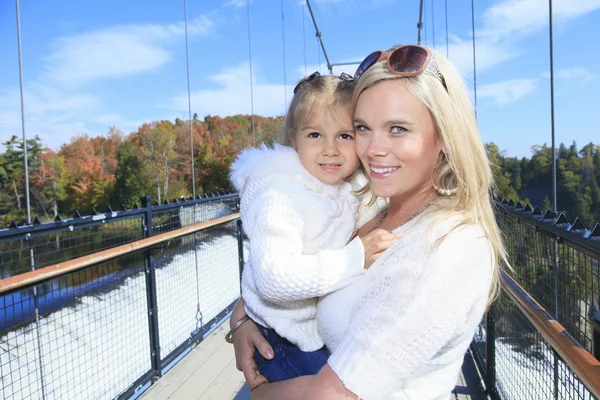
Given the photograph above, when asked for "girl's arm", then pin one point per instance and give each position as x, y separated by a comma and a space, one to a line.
281, 270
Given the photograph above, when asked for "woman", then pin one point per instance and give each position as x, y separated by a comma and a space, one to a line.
401, 331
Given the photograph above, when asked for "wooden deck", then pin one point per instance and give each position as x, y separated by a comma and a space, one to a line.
208, 372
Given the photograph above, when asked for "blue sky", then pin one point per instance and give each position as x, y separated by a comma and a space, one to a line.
98, 63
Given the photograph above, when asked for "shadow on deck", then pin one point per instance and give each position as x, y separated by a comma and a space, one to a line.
208, 372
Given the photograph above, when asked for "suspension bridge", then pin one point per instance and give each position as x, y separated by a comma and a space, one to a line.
133, 303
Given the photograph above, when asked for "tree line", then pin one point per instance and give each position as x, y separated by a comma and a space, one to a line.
117, 169
530, 179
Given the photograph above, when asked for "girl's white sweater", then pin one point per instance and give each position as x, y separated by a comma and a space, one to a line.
402, 329
298, 229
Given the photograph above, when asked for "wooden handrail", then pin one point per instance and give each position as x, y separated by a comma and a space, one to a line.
29, 278
584, 364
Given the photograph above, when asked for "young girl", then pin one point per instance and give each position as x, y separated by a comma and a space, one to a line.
300, 214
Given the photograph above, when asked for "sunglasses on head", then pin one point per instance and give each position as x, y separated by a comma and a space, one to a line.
343, 76
406, 61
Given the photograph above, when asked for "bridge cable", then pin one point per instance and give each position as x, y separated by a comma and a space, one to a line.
318, 56
187, 61
251, 73
433, 22
446, 11
199, 316
474, 57
319, 34
283, 45
28, 203
27, 200
420, 23
304, 35
554, 195
25, 160
425, 18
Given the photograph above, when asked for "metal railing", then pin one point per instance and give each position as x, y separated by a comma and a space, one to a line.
108, 323
539, 338
105, 325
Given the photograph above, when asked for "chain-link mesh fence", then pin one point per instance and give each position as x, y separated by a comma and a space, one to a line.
104, 331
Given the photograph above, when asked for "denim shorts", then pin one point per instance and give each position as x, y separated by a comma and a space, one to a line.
289, 361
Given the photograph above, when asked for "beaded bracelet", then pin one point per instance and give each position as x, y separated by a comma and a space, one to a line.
229, 336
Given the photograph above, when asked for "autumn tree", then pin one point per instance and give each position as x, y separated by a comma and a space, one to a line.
156, 142
91, 173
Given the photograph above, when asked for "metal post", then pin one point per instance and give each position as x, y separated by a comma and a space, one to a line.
151, 292
490, 358
554, 197
555, 355
251, 73
240, 243
474, 56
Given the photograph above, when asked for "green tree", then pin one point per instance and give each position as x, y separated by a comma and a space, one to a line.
501, 178
129, 186
546, 204
12, 176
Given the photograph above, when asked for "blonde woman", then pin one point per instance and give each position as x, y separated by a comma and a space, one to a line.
401, 330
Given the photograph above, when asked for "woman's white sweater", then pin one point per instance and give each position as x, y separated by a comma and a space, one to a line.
402, 329
298, 228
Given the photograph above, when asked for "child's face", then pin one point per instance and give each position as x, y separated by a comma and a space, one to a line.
325, 145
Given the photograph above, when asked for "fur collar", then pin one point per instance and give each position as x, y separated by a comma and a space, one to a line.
259, 162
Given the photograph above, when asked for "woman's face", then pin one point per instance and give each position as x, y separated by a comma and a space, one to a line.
395, 140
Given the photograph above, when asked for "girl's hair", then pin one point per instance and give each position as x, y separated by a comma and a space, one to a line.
325, 93
465, 166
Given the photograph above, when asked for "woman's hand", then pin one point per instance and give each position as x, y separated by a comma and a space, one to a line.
376, 242
246, 339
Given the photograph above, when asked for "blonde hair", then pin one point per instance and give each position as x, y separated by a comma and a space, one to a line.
326, 93
466, 166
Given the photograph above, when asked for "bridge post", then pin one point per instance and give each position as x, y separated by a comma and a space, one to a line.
151, 292
490, 358
240, 241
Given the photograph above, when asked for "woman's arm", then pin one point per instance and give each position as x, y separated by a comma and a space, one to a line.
324, 386
388, 343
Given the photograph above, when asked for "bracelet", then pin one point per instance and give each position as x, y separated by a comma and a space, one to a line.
229, 336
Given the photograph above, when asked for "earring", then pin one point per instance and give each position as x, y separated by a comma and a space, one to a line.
444, 192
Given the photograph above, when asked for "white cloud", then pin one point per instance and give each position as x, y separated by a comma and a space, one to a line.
368, 3
232, 95
235, 3
506, 23
511, 17
507, 92
59, 103
56, 115
579, 74
116, 51
488, 54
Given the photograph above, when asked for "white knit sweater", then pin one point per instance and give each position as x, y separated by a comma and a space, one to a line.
298, 229
401, 330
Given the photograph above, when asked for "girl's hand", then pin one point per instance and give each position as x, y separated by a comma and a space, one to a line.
246, 339
376, 242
